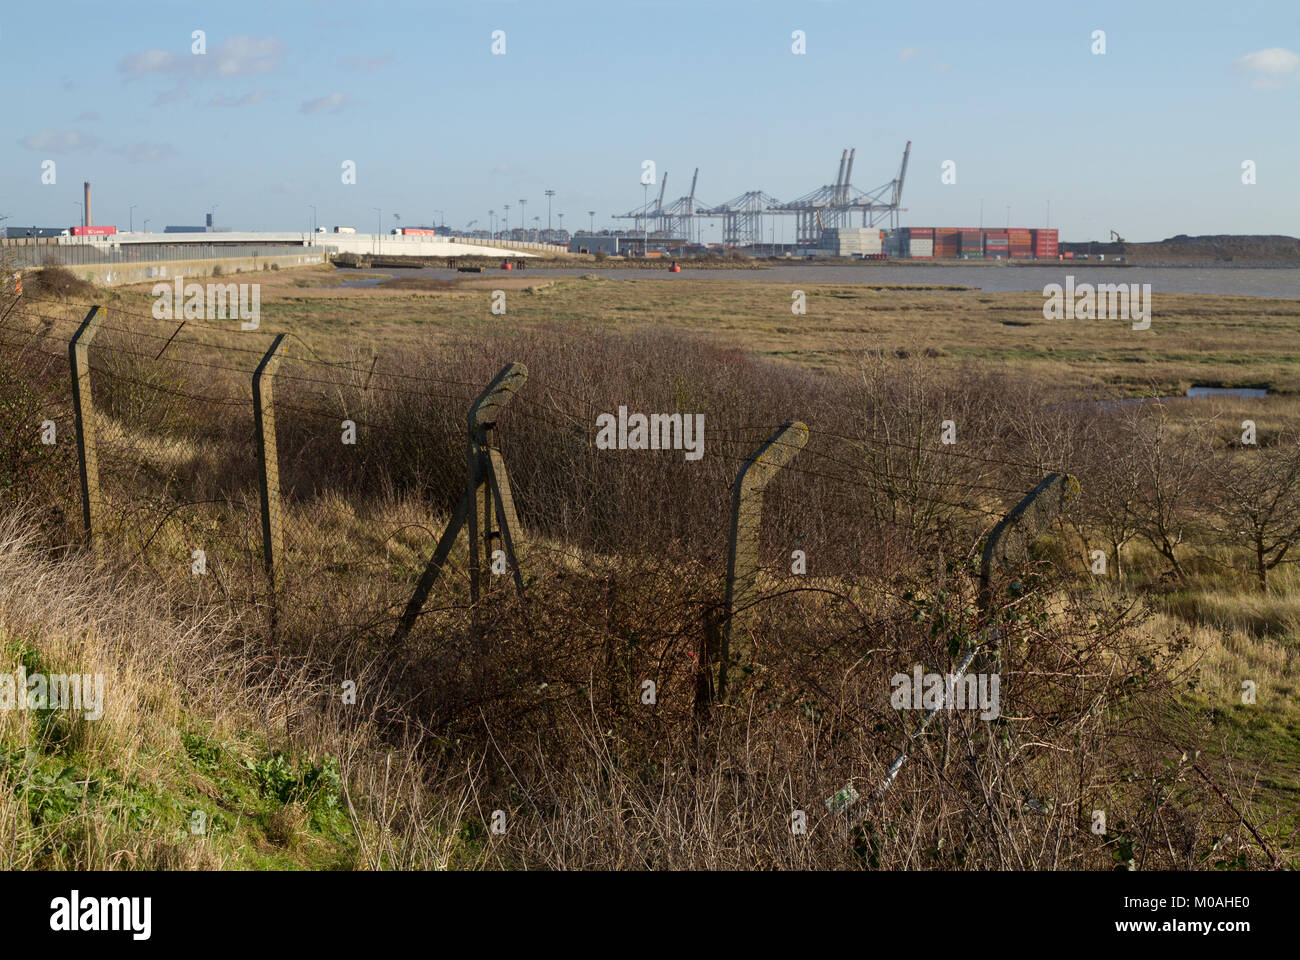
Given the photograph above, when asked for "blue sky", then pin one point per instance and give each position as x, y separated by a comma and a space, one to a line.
1147, 139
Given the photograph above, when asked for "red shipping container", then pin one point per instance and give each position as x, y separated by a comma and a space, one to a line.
93, 231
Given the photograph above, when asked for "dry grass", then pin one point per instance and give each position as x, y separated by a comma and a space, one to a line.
534, 710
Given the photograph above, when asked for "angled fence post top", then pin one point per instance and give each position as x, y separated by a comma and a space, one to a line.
1008, 544
271, 359
87, 330
775, 453
269, 466
746, 516
84, 409
506, 384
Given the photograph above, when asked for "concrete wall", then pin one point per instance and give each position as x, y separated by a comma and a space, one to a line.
394, 245
116, 274
361, 243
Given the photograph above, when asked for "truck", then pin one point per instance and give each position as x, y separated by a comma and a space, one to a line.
345, 229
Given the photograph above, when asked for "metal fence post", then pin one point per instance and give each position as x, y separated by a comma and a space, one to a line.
268, 467
746, 516
84, 407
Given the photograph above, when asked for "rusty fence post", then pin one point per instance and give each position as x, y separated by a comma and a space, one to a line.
84, 412
268, 468
742, 542
487, 506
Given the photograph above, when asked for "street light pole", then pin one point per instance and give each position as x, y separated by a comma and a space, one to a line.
379, 229
592, 215
313, 217
523, 216
130, 215
549, 194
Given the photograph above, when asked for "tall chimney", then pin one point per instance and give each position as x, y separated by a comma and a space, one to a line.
87, 205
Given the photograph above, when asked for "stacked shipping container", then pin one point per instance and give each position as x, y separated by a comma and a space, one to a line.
1045, 245
970, 243
947, 242
997, 245
920, 242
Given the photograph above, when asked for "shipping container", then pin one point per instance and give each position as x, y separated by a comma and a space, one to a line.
919, 231
93, 231
920, 247
345, 229
418, 232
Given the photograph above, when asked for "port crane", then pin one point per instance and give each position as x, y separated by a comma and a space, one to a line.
835, 204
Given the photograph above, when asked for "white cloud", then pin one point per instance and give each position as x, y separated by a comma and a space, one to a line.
907, 53
247, 100
1275, 61
58, 141
334, 102
151, 61
238, 56
241, 56
1270, 66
